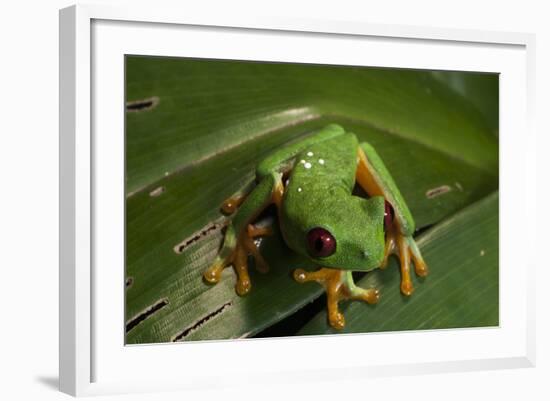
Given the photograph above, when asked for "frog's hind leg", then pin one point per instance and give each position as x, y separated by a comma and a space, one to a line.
239, 237
339, 285
375, 179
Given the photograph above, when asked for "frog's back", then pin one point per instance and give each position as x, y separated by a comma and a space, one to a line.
325, 165
319, 195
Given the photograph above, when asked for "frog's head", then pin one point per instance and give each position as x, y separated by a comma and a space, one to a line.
347, 233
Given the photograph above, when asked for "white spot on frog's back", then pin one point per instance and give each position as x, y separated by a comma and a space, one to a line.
307, 165
310, 154
299, 189
321, 161
302, 161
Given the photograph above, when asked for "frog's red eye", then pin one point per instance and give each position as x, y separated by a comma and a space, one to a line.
388, 215
320, 243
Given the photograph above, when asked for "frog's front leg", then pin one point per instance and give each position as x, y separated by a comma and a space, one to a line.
375, 179
238, 241
339, 285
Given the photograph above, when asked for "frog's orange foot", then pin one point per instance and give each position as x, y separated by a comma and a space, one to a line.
406, 250
238, 258
338, 288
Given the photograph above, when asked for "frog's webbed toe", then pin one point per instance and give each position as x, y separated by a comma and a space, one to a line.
407, 251
231, 204
339, 286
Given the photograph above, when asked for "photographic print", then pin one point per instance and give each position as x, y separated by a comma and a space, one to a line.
269, 199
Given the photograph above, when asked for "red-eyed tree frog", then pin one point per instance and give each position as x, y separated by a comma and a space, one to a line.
311, 182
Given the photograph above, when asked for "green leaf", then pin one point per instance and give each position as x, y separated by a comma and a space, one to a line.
460, 291
479, 88
215, 120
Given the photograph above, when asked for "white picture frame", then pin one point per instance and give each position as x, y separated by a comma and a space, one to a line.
93, 359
